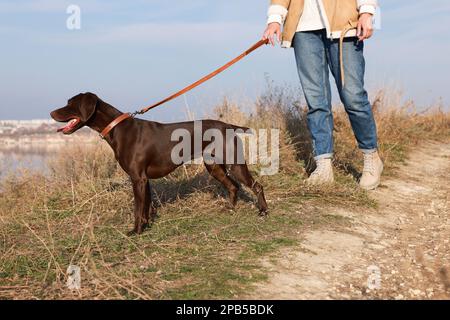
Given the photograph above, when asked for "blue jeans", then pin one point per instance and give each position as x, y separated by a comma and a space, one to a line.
316, 55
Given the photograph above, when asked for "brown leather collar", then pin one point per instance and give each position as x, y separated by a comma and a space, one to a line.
114, 123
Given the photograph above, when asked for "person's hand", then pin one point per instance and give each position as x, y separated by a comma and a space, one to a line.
273, 33
365, 26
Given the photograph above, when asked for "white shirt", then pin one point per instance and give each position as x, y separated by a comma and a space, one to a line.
311, 19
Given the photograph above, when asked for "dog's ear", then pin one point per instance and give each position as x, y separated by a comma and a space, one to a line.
88, 106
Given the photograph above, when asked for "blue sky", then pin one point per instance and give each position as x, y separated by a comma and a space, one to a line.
132, 53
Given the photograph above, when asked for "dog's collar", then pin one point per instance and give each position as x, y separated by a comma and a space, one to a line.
115, 123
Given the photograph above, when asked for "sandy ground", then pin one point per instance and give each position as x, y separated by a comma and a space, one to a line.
401, 250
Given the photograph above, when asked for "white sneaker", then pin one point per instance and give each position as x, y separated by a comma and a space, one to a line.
323, 173
373, 168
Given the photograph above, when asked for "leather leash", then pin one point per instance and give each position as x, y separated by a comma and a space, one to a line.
126, 116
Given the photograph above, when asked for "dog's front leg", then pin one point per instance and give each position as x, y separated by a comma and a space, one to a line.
141, 204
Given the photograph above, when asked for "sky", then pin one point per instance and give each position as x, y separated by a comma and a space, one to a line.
133, 53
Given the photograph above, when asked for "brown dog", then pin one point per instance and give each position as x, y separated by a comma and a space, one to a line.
143, 150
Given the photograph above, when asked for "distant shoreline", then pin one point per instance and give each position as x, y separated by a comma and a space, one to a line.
36, 143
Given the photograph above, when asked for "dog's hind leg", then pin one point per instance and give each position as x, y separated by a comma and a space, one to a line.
241, 173
147, 205
218, 171
151, 208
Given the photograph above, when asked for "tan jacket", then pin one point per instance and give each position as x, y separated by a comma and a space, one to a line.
337, 15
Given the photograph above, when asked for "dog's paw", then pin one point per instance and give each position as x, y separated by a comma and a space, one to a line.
263, 213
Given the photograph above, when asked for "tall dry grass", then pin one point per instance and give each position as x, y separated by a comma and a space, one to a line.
80, 211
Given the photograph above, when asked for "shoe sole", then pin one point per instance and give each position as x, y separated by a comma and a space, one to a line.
372, 187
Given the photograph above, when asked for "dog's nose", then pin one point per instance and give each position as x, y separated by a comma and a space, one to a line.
53, 114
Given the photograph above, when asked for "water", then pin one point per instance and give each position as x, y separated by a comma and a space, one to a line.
14, 160
33, 152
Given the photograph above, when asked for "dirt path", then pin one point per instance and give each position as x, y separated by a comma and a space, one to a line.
403, 246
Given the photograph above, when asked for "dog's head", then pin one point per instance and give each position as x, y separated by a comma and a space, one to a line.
76, 113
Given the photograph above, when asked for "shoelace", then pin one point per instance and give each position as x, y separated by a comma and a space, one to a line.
369, 163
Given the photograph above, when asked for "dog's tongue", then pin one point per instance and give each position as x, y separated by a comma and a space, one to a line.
68, 125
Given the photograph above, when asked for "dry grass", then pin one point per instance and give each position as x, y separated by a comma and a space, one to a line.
80, 213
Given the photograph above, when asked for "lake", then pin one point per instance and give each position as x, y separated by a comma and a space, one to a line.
33, 152
13, 160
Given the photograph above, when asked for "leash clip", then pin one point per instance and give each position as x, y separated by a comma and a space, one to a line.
134, 114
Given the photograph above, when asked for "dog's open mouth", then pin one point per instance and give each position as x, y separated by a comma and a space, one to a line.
70, 126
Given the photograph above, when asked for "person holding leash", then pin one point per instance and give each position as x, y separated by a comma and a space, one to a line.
328, 35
